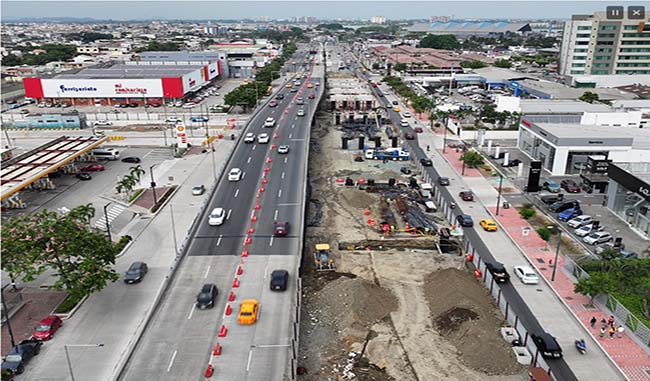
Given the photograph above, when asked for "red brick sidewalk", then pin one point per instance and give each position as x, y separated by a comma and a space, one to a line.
627, 354
452, 157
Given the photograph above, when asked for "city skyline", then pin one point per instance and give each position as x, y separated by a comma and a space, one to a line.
197, 10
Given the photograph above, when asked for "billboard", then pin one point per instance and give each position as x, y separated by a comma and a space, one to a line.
192, 81
101, 88
213, 70
181, 136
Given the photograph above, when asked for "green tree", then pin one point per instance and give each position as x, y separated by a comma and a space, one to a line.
400, 66
155, 46
473, 64
243, 96
589, 97
596, 284
472, 159
11, 60
421, 104
502, 63
81, 256
445, 41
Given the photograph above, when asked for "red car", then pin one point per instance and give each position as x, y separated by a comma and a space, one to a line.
311, 96
281, 228
419, 130
93, 168
46, 327
409, 136
570, 186
466, 196
273, 104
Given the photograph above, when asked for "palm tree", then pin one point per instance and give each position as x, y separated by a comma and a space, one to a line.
136, 172
83, 212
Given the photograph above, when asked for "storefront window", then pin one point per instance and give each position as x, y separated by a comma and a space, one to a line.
632, 208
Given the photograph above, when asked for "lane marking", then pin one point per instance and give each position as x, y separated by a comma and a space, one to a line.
228, 216
218, 242
289, 204
243, 175
147, 154
297, 140
236, 192
208, 269
275, 215
279, 193
250, 357
171, 362
293, 125
271, 345
249, 160
285, 160
191, 311
271, 241
296, 118
283, 175
266, 270
290, 136
254, 146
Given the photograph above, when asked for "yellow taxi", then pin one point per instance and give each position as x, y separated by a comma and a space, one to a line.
289, 85
247, 314
488, 225
396, 109
309, 85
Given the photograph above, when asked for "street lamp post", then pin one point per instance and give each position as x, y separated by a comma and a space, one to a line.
108, 225
557, 249
67, 354
6, 310
153, 185
499, 195
444, 135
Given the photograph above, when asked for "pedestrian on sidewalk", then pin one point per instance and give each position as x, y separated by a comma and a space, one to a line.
621, 331
602, 333
593, 322
612, 331
428, 148
611, 321
603, 323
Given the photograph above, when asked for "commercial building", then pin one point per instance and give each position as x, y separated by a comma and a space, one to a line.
628, 194
186, 57
120, 83
467, 28
597, 45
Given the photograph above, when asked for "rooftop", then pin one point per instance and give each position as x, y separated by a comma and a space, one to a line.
560, 106
557, 90
123, 71
468, 27
496, 74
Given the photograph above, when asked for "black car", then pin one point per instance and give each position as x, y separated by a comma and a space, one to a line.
136, 272
498, 271
279, 280
465, 220
207, 295
550, 199
83, 176
444, 181
395, 103
20, 355
279, 96
547, 345
426, 162
405, 170
561, 206
131, 159
511, 163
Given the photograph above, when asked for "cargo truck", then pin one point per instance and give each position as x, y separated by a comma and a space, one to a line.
387, 154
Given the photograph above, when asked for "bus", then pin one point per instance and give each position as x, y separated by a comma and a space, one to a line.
269, 90
106, 153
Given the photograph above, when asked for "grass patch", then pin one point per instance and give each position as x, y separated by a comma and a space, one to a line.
68, 304
135, 194
124, 240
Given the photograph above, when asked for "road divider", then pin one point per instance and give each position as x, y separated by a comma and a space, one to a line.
216, 351
231, 296
209, 371
228, 310
223, 331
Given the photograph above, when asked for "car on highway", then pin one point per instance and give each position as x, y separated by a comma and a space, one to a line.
249, 138
488, 225
263, 138
395, 103
409, 136
300, 112
407, 114
247, 314
283, 149
289, 85
279, 280
596, 238
83, 176
279, 97
103, 123
309, 85
551, 186
273, 104
403, 123
269, 122
418, 130
93, 168
526, 275
396, 109
498, 271
234, 174
131, 159
47, 327
198, 190
465, 220
317, 84
136, 272
300, 101
547, 345
570, 186
466, 195
217, 216
585, 230
426, 162
280, 228
15, 361
294, 90
511, 163
206, 297
311, 96
443, 181
582, 220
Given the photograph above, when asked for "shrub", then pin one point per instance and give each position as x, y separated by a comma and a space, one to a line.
527, 213
124, 240
68, 304
437, 124
544, 233
136, 194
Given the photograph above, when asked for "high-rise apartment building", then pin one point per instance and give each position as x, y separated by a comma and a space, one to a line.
378, 20
598, 45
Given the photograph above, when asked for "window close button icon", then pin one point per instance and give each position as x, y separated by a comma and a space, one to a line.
615, 12
636, 12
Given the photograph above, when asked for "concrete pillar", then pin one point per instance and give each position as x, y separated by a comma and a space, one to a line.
497, 152
520, 170
506, 158
362, 141
489, 147
344, 142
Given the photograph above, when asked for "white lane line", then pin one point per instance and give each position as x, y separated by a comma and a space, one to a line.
147, 154
228, 216
236, 192
250, 357
283, 175
191, 311
271, 345
218, 241
249, 160
285, 160
296, 118
171, 362
266, 271
293, 126
208, 269
279, 193
289, 204
243, 175
254, 146
275, 215
271, 241
297, 140
290, 136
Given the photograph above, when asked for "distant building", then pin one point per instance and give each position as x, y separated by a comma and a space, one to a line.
596, 45
439, 19
87, 49
215, 30
466, 28
378, 20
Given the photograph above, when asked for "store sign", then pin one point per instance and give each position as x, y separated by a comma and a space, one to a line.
101, 88
629, 181
181, 136
124, 90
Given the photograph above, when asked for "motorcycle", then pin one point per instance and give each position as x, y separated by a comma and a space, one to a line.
452, 205
581, 346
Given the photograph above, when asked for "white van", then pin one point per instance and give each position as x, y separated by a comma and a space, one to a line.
426, 190
106, 153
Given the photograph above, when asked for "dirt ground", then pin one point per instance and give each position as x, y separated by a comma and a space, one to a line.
400, 313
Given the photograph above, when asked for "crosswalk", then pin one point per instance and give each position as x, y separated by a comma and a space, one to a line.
113, 211
159, 153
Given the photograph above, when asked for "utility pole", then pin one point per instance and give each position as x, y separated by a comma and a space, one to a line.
6, 313
153, 185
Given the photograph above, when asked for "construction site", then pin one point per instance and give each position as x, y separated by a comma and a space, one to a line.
386, 294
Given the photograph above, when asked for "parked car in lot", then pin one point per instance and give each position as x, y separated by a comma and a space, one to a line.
526, 275
93, 168
547, 345
550, 199
199, 119
570, 186
103, 123
279, 280
569, 214
498, 271
206, 297
465, 220
131, 159
189, 105
466, 195
20, 355
585, 230
198, 190
284, 149
136, 272
173, 119
217, 216
511, 163
578, 221
597, 237
551, 186
47, 327
563, 205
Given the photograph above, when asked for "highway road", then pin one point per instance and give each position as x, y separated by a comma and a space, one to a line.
537, 307
179, 341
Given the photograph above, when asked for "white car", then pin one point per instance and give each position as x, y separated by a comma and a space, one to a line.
585, 230
263, 138
301, 112
189, 105
579, 221
283, 149
173, 119
597, 237
270, 122
198, 190
526, 274
407, 114
404, 123
249, 138
217, 216
178, 104
234, 174
103, 123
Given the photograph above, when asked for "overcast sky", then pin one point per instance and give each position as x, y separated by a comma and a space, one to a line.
123, 10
